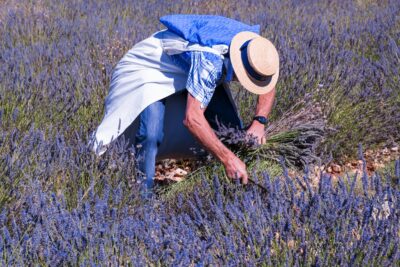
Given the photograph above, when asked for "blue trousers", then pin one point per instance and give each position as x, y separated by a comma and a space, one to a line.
148, 138
150, 133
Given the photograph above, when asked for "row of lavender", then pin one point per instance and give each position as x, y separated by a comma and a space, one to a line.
289, 222
92, 215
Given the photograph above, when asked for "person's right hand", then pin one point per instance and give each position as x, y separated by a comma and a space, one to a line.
236, 169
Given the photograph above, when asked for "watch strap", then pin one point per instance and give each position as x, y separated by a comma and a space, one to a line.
261, 119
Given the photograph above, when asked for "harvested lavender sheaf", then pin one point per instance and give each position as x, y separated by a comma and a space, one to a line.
295, 137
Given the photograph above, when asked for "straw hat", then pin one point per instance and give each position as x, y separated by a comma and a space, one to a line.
255, 61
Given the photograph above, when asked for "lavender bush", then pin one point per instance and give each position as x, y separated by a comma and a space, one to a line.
62, 205
220, 224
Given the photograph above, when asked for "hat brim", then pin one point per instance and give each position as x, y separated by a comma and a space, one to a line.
248, 82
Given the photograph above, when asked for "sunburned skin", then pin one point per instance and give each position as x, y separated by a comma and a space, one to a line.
200, 128
264, 107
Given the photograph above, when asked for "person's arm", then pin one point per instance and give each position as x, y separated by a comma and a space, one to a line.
264, 106
201, 129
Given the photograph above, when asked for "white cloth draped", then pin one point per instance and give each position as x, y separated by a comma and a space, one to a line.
145, 74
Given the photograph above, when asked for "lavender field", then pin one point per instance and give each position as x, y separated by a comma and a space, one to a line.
60, 204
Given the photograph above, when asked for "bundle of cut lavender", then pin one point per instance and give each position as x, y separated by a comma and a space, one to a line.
295, 137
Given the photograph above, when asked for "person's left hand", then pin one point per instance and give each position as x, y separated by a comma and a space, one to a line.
257, 130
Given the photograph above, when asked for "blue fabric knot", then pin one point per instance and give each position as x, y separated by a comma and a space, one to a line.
205, 69
207, 30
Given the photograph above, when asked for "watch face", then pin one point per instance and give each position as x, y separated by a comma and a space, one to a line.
261, 119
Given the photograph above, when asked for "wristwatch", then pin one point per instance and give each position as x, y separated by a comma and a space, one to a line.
261, 119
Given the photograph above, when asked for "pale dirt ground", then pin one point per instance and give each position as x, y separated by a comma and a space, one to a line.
175, 171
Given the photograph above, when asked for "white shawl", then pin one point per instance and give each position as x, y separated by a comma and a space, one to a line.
145, 74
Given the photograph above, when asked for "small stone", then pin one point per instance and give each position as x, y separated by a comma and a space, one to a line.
169, 175
176, 178
159, 177
180, 173
277, 236
395, 149
59, 193
334, 178
273, 252
290, 244
378, 165
355, 234
336, 168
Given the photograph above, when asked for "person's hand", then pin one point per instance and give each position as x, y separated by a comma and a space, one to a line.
236, 169
257, 131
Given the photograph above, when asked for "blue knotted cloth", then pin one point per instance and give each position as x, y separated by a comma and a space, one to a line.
207, 30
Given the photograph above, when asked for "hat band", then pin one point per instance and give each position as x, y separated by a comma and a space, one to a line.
249, 69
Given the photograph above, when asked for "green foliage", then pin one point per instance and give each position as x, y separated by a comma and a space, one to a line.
194, 180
